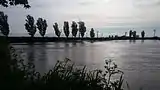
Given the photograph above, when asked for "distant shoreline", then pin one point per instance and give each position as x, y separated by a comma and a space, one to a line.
71, 39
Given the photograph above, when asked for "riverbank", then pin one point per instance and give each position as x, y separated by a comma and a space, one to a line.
71, 39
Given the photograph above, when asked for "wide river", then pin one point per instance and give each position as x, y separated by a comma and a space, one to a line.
139, 60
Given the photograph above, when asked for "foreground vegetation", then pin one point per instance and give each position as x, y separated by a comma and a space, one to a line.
63, 76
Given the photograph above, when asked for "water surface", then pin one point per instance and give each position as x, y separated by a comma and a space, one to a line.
140, 60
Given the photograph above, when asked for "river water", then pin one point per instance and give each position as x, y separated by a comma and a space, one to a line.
139, 60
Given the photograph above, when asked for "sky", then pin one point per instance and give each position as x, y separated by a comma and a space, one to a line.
95, 13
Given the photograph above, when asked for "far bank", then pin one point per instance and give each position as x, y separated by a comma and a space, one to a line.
72, 39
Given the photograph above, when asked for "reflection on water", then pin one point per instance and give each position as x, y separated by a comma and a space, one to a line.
133, 41
140, 60
37, 55
142, 41
31, 52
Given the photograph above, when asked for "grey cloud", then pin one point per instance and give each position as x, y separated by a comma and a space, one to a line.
86, 3
91, 2
44, 4
146, 3
51, 3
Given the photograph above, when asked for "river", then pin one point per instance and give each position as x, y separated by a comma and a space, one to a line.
139, 60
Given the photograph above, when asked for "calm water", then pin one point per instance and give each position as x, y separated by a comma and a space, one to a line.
140, 60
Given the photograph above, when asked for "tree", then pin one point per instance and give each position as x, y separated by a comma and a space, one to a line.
130, 33
97, 33
56, 29
42, 26
4, 26
125, 34
154, 31
92, 34
66, 29
6, 3
4, 18
74, 29
143, 34
82, 28
134, 34
30, 26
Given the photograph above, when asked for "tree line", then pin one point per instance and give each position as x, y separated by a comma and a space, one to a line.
41, 25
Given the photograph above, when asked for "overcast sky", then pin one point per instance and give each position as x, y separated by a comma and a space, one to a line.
96, 13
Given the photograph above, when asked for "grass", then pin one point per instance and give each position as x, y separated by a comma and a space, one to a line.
63, 76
